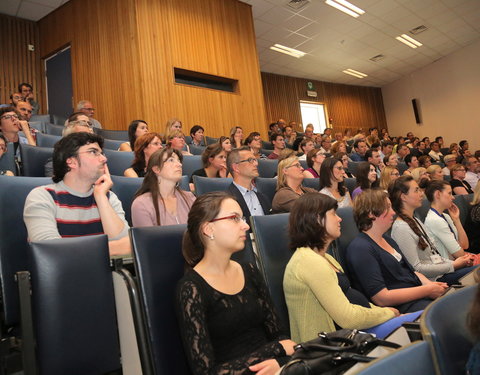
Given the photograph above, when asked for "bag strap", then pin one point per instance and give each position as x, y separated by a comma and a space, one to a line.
345, 345
386, 343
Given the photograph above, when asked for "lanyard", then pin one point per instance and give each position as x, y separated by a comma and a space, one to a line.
444, 218
425, 236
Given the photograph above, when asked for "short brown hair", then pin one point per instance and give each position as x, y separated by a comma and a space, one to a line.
306, 222
210, 152
370, 202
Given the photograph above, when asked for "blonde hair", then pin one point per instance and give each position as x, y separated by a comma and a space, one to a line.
476, 197
386, 177
417, 173
431, 170
174, 134
284, 163
169, 125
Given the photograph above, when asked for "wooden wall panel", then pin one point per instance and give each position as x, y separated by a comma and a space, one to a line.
348, 106
17, 63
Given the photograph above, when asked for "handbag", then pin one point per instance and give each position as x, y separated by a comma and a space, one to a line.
333, 353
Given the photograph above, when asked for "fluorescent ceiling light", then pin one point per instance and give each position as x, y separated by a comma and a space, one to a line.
405, 39
288, 51
346, 7
355, 73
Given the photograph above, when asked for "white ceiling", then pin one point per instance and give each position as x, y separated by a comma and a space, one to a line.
335, 41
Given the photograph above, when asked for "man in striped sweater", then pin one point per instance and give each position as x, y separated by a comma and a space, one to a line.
79, 202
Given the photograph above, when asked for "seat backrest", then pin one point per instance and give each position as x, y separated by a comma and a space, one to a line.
13, 234
353, 166
303, 163
402, 167
58, 120
271, 237
463, 203
412, 359
34, 159
7, 161
43, 118
267, 167
444, 327
47, 140
39, 125
74, 307
350, 184
422, 211
125, 188
267, 145
118, 135
210, 140
53, 129
265, 151
313, 183
118, 161
196, 150
205, 184
190, 164
444, 150
112, 144
349, 232
267, 186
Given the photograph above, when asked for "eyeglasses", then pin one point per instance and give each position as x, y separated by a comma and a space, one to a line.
394, 174
88, 109
296, 165
341, 168
9, 117
93, 151
249, 160
235, 218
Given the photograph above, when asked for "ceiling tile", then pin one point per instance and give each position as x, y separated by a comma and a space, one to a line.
295, 23
33, 11
293, 40
49, 3
276, 34
261, 27
260, 7
276, 15
9, 7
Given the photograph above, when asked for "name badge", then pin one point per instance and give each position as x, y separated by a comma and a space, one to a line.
436, 259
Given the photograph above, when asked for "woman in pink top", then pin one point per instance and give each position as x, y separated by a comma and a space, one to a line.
160, 201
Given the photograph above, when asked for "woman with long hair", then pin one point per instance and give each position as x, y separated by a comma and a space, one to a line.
214, 159
366, 178
225, 143
254, 141
172, 124
317, 290
160, 201
413, 239
315, 159
136, 129
345, 161
236, 136
145, 146
331, 182
339, 146
378, 266
289, 184
391, 160
457, 181
387, 176
227, 320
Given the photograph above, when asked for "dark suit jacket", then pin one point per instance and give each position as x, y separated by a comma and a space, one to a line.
264, 202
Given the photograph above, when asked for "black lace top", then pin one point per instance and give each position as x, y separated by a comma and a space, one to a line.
224, 334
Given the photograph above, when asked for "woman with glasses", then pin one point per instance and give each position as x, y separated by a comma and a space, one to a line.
315, 159
387, 176
289, 184
254, 141
227, 320
391, 160
176, 140
457, 181
345, 161
136, 129
366, 178
160, 201
145, 146
3, 149
332, 175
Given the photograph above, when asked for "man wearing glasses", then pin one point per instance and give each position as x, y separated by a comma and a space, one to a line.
10, 126
79, 202
86, 107
243, 166
26, 90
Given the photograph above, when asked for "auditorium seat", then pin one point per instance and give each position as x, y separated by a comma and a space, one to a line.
196, 150
59, 120
34, 159
463, 204
7, 161
118, 135
265, 151
267, 186
210, 140
271, 237
303, 163
73, 307
42, 118
402, 167
350, 184
267, 145
118, 161
313, 183
267, 168
54, 129
111, 144
349, 232
125, 189
352, 167
38, 125
206, 185
190, 164
47, 140
422, 211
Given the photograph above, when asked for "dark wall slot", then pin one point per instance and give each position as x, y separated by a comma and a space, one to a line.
191, 78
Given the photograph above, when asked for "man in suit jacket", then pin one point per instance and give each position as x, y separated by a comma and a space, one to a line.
243, 166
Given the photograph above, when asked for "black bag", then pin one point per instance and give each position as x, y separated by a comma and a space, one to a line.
333, 353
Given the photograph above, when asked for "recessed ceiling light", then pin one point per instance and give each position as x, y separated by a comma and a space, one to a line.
346, 7
355, 73
409, 41
288, 51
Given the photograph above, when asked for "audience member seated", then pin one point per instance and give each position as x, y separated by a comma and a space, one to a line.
236, 136
366, 178
332, 182
243, 166
386, 149
214, 160
446, 228
402, 152
339, 146
273, 128
345, 161
227, 320
160, 201
412, 237
10, 126
176, 140
14, 98
473, 170
289, 184
388, 175
308, 131
326, 145
79, 202
317, 291
26, 91
315, 159
377, 265
86, 107
424, 161
254, 142
473, 324
290, 134
435, 153
3, 149
145, 146
136, 129
457, 181
24, 110
278, 143
373, 157
391, 160
421, 176
472, 225
360, 148
454, 149
304, 147
78, 116
435, 172
172, 124
196, 133
412, 163
225, 143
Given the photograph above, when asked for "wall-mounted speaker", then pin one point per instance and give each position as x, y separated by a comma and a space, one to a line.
416, 111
